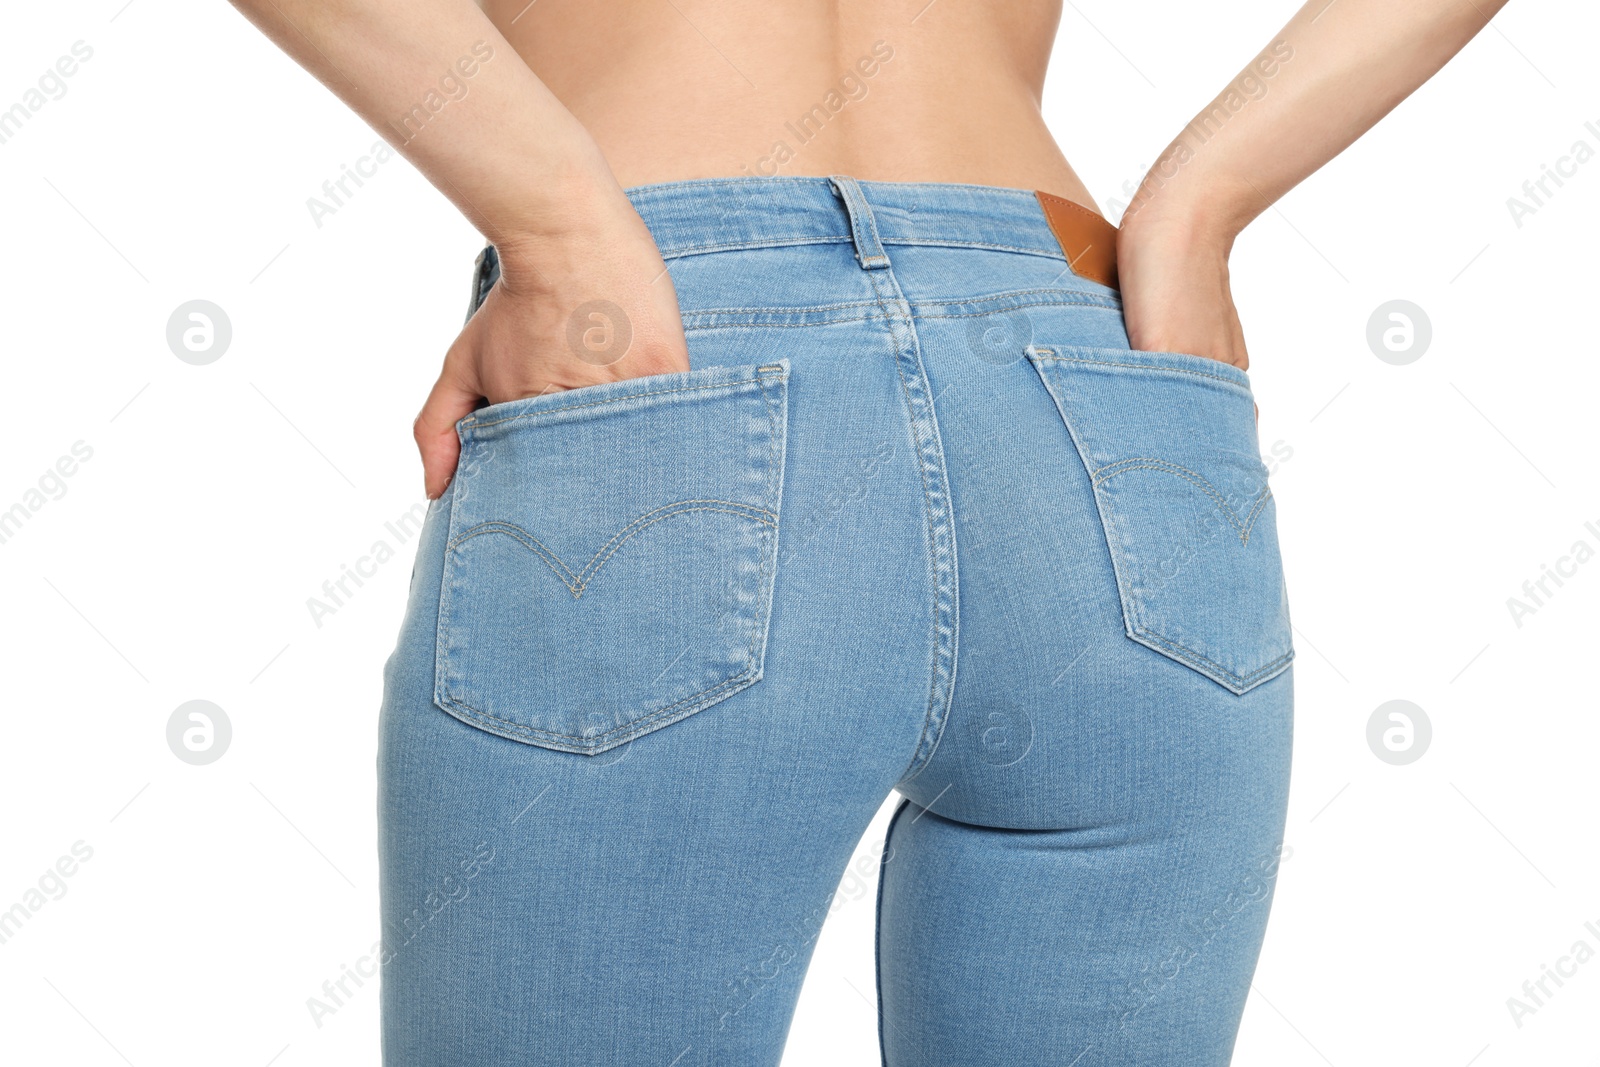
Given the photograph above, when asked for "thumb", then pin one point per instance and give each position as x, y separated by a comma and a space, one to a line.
435, 432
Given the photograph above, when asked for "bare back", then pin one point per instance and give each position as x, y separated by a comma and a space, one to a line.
901, 90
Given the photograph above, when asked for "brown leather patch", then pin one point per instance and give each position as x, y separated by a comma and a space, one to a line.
1087, 240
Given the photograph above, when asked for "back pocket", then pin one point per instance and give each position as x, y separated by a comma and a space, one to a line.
1169, 442
611, 555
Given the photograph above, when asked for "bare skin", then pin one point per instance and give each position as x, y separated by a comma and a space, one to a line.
957, 101
533, 117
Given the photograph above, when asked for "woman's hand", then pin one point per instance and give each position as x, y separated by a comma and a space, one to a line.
1175, 293
1315, 88
589, 305
583, 296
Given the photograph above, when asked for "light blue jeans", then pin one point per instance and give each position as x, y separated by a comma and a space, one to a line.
916, 520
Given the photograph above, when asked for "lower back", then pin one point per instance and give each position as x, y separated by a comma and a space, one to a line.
892, 91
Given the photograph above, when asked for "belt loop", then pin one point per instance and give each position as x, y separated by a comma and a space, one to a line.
863, 228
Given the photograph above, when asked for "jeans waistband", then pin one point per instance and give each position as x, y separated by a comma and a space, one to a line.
722, 214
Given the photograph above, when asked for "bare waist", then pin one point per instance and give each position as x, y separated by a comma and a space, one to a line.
901, 92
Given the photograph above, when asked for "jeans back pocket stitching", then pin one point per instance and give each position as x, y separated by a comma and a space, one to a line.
1046, 353
1200, 482
470, 421
636, 725
580, 579
1188, 653
1133, 617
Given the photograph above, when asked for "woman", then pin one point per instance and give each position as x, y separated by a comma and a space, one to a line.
834, 445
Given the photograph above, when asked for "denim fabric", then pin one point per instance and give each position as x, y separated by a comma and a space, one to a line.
654, 503
916, 520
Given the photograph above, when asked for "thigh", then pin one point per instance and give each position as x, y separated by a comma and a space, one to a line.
1115, 917
657, 904
1132, 942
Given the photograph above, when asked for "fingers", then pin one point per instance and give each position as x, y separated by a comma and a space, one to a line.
435, 432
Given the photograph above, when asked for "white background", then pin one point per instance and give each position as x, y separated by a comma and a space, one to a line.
178, 562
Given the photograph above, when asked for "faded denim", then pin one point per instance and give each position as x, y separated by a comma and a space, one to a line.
916, 520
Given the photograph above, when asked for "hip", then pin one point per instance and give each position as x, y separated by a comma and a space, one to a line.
908, 423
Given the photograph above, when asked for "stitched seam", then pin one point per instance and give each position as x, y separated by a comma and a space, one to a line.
1104, 305
934, 241
992, 298
877, 926
808, 307
1141, 463
441, 624
865, 316
768, 515
951, 242
1051, 290
772, 500
1241, 679
776, 325
1045, 353
933, 565
928, 513
807, 180
1250, 520
627, 396
1108, 528
517, 727
769, 557
679, 251
533, 544
657, 189
594, 567
673, 252
1093, 300
580, 580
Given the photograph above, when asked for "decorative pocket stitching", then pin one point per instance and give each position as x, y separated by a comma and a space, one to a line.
1130, 604
472, 421
1050, 354
1185, 652
635, 727
577, 582
1200, 482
